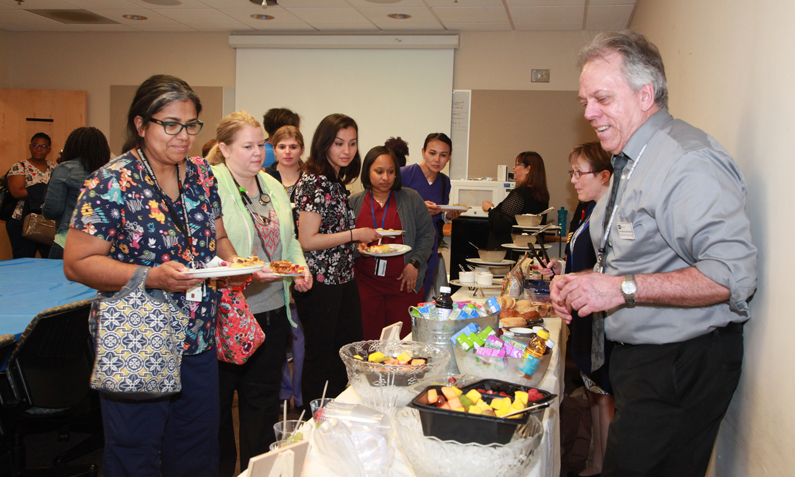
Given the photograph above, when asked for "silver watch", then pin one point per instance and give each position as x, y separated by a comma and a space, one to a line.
629, 288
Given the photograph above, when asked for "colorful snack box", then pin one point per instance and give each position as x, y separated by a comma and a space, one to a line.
493, 305
487, 332
470, 328
497, 353
493, 342
465, 342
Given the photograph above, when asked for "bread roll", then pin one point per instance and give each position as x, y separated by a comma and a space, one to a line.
511, 322
523, 306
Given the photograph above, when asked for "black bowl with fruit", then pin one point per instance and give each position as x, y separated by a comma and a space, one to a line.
446, 416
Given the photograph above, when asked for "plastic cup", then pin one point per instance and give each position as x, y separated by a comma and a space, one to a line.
318, 404
283, 430
466, 277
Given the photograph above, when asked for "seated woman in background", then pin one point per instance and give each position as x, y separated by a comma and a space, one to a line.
590, 174
330, 311
258, 220
529, 197
85, 151
389, 286
27, 182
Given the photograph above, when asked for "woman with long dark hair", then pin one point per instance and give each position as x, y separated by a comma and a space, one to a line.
330, 311
529, 197
85, 151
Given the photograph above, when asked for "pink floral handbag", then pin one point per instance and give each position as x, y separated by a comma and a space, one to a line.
237, 334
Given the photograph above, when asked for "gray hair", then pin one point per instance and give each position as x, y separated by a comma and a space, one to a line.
642, 61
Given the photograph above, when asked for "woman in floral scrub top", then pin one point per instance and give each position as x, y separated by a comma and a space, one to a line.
331, 311
133, 212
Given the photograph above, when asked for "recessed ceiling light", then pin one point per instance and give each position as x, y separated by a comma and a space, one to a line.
257, 16
135, 17
265, 3
399, 16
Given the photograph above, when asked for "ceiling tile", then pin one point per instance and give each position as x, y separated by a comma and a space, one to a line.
22, 17
183, 4
405, 26
464, 3
471, 14
152, 17
611, 2
266, 26
324, 16
345, 27
549, 26
417, 14
478, 26
280, 16
197, 15
53, 26
547, 3
35, 4
400, 4
304, 3
217, 27
94, 5
117, 28
615, 15
547, 14
162, 27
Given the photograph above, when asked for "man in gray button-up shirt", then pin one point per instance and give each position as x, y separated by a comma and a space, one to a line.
678, 266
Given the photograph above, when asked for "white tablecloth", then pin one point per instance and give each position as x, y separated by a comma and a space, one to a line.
545, 461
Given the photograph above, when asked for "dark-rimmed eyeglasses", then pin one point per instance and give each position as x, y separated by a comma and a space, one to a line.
172, 128
577, 174
40, 146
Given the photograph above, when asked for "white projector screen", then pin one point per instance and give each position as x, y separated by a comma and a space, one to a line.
389, 92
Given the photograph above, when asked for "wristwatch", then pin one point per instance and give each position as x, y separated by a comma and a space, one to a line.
629, 288
415, 262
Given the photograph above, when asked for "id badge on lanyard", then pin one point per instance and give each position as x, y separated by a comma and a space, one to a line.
380, 264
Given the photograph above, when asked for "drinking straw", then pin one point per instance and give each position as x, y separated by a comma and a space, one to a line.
323, 397
296, 426
285, 413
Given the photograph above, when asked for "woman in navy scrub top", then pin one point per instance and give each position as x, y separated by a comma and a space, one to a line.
434, 188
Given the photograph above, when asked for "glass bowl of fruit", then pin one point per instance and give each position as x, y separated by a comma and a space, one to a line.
383, 372
431, 456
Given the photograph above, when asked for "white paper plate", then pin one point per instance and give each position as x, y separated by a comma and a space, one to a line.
389, 233
399, 248
462, 208
519, 247
478, 261
218, 272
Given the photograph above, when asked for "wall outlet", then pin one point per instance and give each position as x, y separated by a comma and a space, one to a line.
539, 76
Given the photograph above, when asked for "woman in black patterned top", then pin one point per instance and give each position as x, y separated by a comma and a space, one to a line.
529, 197
331, 311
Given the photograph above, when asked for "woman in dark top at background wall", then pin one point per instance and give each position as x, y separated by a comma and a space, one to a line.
529, 197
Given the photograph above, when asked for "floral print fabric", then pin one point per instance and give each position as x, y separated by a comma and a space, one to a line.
121, 204
315, 193
32, 176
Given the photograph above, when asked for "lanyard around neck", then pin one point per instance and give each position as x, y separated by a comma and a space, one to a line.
178, 224
600, 256
372, 208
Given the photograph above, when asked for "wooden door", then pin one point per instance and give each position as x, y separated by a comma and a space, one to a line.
24, 112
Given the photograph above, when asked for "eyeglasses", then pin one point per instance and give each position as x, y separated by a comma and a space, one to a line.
40, 146
173, 128
577, 174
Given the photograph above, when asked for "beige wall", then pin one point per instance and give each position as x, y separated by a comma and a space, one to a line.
730, 68
95, 61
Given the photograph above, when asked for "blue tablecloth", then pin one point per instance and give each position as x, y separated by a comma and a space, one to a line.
29, 286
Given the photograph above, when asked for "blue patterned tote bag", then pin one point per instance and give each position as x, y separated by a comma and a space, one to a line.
139, 340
